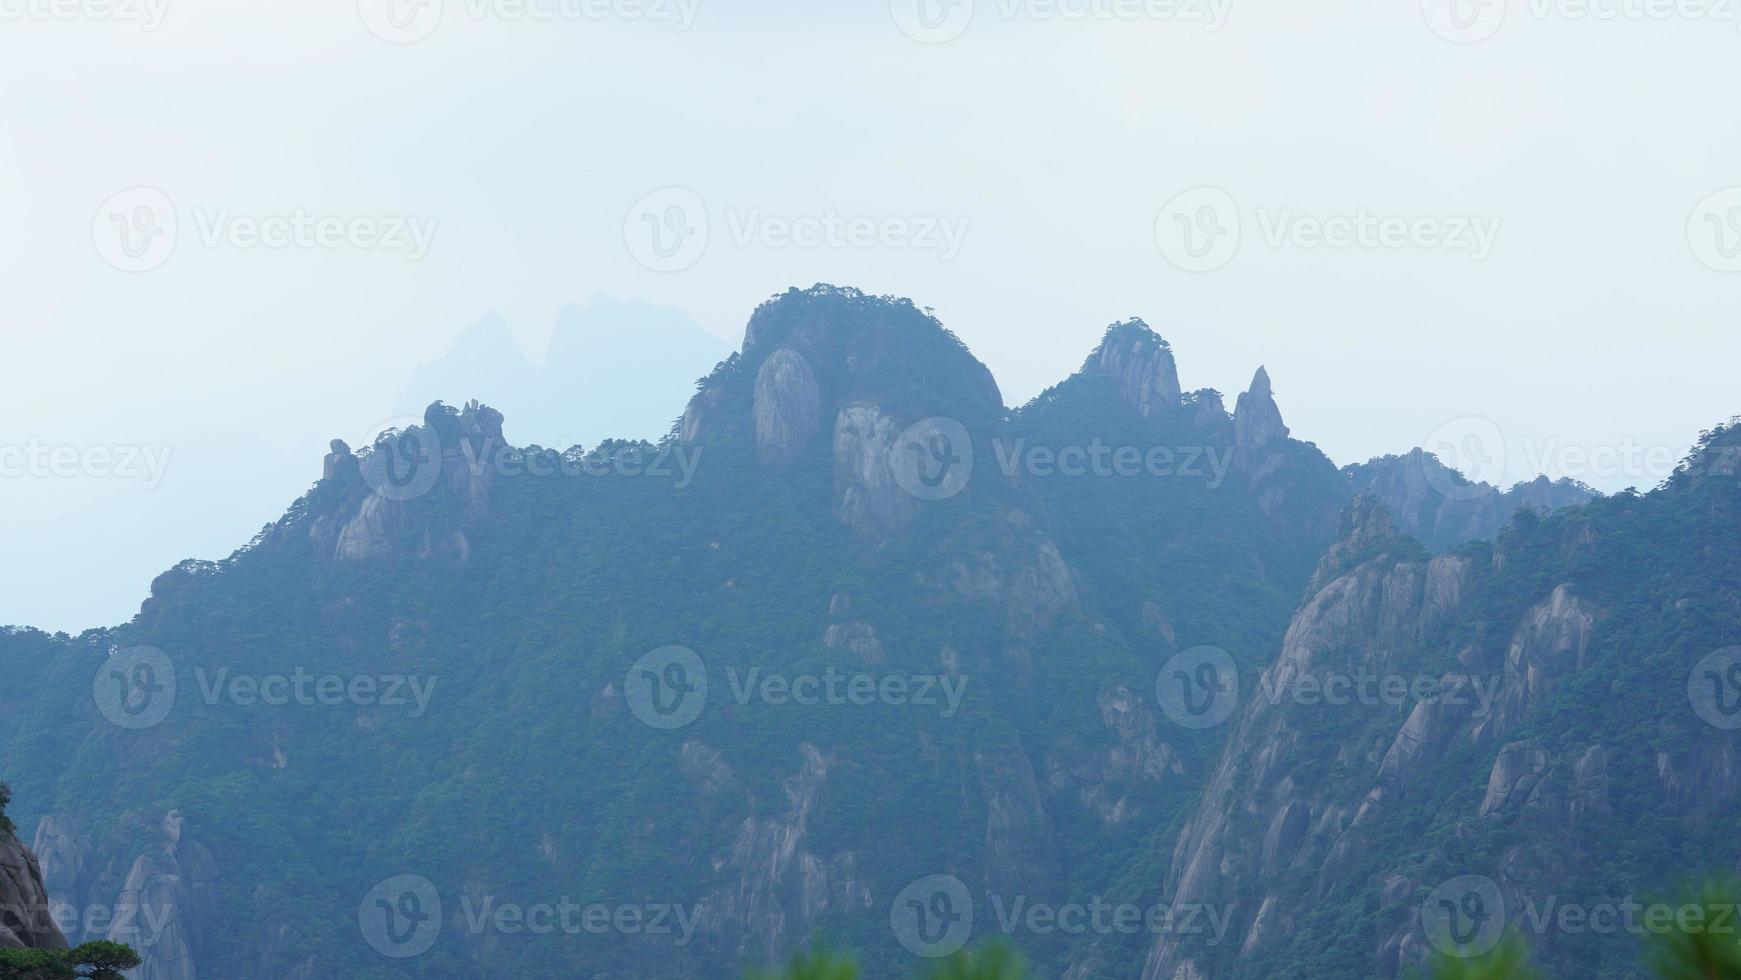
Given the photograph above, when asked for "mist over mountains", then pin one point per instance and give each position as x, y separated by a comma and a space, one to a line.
612, 370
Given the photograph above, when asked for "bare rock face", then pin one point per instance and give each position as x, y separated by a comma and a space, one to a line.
1551, 643
1257, 421
866, 494
777, 887
168, 906
1370, 604
788, 406
26, 915
701, 407
65, 855
454, 455
1516, 775
339, 462
1141, 364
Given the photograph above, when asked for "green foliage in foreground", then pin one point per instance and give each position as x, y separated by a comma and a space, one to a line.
94, 960
1687, 952
996, 960
1507, 961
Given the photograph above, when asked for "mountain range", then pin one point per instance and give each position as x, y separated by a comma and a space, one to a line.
856, 651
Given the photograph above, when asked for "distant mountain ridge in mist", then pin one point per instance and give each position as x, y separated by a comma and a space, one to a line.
613, 370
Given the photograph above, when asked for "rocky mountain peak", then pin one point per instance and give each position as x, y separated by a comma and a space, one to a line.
1141, 364
1256, 419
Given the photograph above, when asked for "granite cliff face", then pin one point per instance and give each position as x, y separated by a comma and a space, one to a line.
454, 455
1477, 760
27, 919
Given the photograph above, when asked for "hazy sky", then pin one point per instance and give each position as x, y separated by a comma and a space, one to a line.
1523, 224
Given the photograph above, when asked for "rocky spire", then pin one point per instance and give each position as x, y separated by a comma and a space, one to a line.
1256, 419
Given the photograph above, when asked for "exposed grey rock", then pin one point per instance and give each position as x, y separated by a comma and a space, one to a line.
777, 888
1513, 781
866, 495
1141, 365
65, 856
26, 915
788, 406
1257, 421
696, 414
339, 463
466, 447
167, 908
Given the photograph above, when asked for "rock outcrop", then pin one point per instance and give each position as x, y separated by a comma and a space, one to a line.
1257, 421
453, 456
168, 906
1436, 504
1141, 365
788, 406
27, 917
